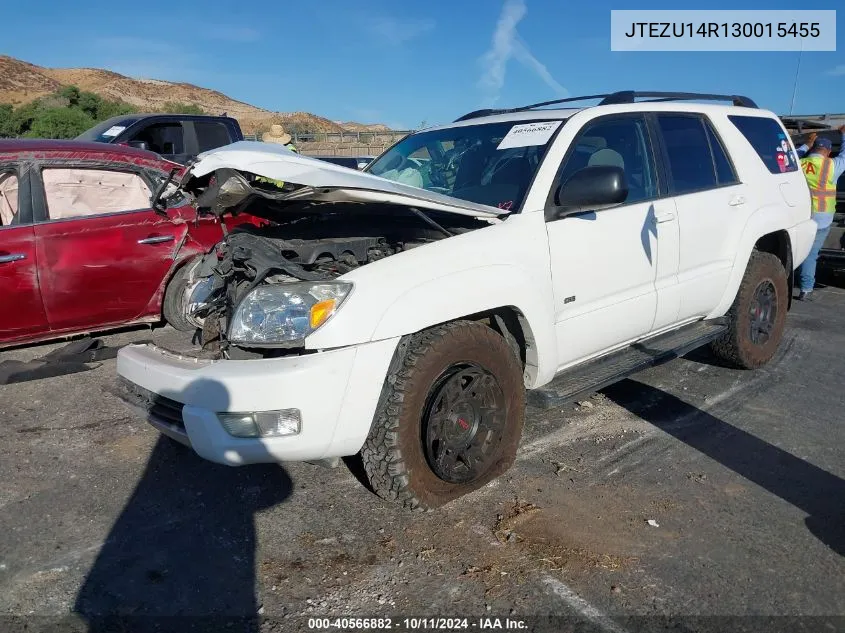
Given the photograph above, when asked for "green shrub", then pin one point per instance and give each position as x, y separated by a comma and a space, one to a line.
59, 123
174, 107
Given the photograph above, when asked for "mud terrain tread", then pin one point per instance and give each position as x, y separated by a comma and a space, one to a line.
382, 457
728, 347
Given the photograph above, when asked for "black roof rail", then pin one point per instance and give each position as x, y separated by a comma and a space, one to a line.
624, 96
630, 96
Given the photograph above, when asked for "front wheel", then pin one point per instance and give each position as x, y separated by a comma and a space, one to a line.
450, 416
173, 305
757, 317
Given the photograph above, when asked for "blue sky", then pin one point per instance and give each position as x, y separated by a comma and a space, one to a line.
403, 63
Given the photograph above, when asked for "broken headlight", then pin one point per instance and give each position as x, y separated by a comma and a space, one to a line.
282, 314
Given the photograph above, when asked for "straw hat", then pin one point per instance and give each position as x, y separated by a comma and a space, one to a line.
276, 134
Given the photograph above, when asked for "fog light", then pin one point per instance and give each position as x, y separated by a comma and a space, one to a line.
262, 423
239, 424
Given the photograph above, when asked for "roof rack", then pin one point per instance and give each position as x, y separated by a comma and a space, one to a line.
624, 96
811, 121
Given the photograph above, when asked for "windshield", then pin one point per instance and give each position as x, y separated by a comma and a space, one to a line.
106, 131
491, 163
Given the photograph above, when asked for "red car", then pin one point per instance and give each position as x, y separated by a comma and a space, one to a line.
81, 248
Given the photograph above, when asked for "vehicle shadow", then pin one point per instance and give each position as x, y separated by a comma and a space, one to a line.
807, 487
181, 554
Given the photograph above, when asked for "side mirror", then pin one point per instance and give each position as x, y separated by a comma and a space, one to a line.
591, 189
139, 145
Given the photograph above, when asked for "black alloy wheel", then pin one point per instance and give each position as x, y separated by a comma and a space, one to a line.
463, 423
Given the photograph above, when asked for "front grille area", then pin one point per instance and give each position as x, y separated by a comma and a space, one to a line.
161, 409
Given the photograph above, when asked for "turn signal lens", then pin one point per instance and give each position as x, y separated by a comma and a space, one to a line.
321, 311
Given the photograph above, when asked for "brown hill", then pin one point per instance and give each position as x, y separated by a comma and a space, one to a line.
21, 82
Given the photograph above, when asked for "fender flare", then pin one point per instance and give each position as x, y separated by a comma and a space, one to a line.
765, 220
468, 292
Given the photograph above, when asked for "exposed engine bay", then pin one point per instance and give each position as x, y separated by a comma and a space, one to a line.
263, 289
319, 242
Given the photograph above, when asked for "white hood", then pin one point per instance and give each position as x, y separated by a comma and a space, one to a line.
327, 181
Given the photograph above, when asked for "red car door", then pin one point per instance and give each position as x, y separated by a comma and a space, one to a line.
22, 313
103, 253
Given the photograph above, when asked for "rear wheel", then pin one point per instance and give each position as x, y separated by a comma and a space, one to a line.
757, 317
450, 416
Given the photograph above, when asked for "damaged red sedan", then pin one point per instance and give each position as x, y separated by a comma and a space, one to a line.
82, 247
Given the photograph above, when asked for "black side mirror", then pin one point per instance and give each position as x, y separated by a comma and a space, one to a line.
591, 189
139, 145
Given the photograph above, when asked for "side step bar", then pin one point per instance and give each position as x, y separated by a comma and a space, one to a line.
578, 382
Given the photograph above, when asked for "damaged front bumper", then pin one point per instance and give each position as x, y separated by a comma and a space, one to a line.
335, 393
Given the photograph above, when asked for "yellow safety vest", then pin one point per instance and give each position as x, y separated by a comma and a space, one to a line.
819, 174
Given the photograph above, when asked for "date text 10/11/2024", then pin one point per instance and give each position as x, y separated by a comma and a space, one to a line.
375, 625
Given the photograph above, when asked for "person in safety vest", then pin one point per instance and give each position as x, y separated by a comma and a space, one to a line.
822, 172
278, 135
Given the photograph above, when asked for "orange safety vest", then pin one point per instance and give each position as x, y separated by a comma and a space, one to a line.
819, 174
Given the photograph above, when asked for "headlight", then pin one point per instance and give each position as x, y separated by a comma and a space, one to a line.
285, 313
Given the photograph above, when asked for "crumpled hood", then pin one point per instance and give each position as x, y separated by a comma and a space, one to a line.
325, 182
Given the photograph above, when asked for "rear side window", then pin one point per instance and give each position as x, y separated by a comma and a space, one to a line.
211, 135
725, 174
769, 141
691, 165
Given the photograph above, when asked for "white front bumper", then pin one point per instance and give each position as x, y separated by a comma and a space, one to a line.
336, 391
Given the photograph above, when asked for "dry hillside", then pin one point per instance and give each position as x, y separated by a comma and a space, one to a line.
21, 82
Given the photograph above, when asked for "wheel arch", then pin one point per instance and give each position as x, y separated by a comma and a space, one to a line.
763, 232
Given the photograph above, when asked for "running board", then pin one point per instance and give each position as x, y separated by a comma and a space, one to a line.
578, 382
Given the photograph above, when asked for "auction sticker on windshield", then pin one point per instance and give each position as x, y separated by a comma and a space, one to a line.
527, 134
114, 130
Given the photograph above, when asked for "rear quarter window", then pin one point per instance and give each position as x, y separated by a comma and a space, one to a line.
769, 140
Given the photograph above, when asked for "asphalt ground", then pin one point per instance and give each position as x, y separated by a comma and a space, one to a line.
690, 497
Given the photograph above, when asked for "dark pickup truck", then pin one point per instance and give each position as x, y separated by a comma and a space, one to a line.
176, 137
832, 254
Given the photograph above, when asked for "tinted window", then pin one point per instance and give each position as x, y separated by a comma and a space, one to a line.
725, 174
690, 162
163, 138
769, 141
108, 130
211, 135
621, 143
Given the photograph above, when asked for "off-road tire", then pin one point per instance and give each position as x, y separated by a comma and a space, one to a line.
735, 346
393, 455
173, 305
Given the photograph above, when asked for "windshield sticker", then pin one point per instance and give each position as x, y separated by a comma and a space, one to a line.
114, 130
527, 134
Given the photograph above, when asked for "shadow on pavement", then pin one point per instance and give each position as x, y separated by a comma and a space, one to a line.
815, 491
181, 554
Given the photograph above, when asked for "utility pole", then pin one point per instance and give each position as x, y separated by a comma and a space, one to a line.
797, 73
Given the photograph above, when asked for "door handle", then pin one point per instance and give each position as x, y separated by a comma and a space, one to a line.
666, 216
737, 201
158, 239
12, 257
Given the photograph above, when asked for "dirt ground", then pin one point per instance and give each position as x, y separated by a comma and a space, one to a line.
691, 497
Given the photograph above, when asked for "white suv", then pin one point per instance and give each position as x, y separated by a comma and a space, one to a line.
402, 312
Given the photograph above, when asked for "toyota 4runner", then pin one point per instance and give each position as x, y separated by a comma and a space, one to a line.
409, 311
